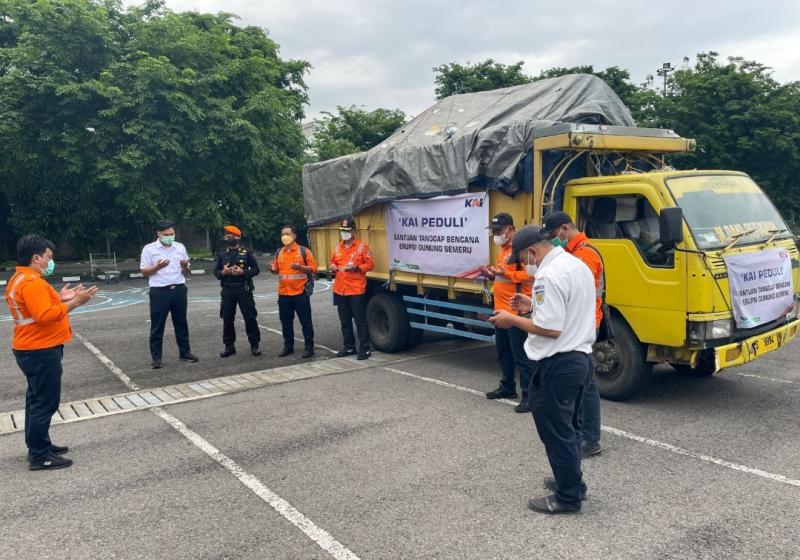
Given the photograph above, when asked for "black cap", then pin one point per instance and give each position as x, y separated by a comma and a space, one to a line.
555, 220
501, 220
347, 224
524, 238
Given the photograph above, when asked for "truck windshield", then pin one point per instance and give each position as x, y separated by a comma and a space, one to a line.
721, 208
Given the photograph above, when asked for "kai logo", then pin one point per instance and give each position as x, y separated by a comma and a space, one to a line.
473, 203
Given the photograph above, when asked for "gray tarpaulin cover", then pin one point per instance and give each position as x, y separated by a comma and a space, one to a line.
463, 140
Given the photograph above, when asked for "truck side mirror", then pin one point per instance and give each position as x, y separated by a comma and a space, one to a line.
670, 226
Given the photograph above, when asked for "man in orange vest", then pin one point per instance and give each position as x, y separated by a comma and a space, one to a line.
350, 262
41, 328
509, 279
565, 234
295, 267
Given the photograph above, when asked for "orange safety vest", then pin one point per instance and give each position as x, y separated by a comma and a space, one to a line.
292, 282
351, 283
580, 247
506, 286
40, 318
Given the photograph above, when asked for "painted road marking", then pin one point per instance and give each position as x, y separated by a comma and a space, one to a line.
317, 534
99, 407
622, 433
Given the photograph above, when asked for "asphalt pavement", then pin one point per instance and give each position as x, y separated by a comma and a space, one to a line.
402, 459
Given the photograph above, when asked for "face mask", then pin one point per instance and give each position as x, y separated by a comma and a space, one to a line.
531, 268
557, 242
232, 242
287, 239
51, 266
167, 239
499, 240
346, 235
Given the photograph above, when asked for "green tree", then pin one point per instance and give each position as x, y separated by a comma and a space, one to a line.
453, 78
742, 119
116, 118
353, 129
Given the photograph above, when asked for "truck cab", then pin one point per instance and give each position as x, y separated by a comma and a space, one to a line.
669, 292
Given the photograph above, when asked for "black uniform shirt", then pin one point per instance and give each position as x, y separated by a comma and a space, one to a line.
240, 257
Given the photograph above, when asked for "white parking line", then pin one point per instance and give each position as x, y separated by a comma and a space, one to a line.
317, 534
622, 433
765, 378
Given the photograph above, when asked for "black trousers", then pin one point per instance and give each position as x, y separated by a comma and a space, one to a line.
169, 300
353, 308
510, 344
300, 305
42, 369
243, 297
556, 395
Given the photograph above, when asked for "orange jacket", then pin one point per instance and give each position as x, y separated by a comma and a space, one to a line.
580, 247
506, 286
292, 282
40, 318
351, 283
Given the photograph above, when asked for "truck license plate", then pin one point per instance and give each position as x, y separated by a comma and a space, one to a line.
766, 343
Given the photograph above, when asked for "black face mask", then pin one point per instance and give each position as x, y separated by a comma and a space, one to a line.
231, 242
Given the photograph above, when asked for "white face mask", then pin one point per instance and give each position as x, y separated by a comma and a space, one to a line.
346, 235
499, 240
531, 267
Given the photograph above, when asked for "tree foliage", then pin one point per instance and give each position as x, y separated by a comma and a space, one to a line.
454, 78
353, 129
112, 118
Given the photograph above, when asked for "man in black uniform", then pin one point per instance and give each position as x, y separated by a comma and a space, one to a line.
235, 269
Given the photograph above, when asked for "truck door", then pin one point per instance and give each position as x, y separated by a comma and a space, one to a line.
644, 283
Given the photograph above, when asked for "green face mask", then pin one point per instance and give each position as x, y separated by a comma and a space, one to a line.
51, 266
167, 239
557, 242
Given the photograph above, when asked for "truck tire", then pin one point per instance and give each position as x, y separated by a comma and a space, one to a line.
622, 366
414, 336
388, 322
705, 366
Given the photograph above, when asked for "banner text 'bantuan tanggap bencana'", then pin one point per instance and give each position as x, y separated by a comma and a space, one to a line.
761, 286
444, 235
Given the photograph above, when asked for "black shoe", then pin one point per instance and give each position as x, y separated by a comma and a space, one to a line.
229, 351
501, 393
189, 358
590, 448
551, 505
58, 450
363, 355
308, 352
550, 484
155, 364
286, 352
344, 352
255, 350
49, 462
523, 406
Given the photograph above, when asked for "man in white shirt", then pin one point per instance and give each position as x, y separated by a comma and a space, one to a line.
165, 263
560, 336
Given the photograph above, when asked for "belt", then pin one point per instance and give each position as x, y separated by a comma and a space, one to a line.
236, 286
169, 287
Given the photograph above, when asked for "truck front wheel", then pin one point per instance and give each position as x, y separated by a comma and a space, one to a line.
388, 322
622, 368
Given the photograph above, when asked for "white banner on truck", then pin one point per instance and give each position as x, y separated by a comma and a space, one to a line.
445, 235
761, 286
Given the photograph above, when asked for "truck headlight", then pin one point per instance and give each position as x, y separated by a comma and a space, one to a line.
700, 331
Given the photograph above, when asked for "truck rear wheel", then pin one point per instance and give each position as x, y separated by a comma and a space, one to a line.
706, 365
388, 322
622, 368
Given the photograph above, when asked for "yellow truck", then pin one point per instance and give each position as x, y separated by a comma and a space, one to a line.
701, 270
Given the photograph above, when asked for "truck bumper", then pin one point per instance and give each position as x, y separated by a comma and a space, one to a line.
747, 350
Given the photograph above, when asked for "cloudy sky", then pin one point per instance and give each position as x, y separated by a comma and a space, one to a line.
378, 53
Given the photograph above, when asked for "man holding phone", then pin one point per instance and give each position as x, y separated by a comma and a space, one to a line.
509, 279
165, 263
